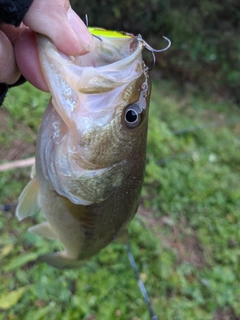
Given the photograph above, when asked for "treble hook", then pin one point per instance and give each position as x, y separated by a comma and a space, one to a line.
152, 50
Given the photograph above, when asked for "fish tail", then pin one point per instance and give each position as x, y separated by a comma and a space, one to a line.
61, 260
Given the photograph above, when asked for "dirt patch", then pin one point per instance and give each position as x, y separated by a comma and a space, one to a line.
19, 149
16, 143
225, 315
176, 236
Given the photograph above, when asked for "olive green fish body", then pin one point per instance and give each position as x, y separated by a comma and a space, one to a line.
91, 147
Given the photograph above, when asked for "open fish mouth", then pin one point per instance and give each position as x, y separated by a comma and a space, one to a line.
107, 66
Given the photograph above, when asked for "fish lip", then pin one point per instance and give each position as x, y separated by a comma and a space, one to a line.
47, 46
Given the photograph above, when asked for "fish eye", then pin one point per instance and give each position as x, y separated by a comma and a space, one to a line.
133, 115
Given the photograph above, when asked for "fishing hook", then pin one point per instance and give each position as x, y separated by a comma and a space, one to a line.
140, 282
152, 50
146, 45
86, 22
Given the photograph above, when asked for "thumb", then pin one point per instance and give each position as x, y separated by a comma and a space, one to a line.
61, 24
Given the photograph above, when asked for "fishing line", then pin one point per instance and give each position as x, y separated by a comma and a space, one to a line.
140, 282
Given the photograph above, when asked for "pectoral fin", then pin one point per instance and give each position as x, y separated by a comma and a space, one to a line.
28, 200
43, 229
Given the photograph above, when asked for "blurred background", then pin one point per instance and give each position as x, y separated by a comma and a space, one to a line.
205, 37
185, 237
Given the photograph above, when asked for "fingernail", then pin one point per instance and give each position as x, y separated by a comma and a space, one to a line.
84, 36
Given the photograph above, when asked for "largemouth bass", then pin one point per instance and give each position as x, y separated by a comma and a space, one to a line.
91, 146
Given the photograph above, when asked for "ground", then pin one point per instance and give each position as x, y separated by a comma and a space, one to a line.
185, 237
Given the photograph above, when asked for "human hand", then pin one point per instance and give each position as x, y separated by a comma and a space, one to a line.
56, 20
9, 72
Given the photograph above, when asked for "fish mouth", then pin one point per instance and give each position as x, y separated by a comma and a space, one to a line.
108, 49
113, 62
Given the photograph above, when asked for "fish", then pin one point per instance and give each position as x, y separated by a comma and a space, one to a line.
91, 146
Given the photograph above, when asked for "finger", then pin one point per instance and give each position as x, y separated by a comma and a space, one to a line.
26, 55
10, 31
9, 72
28, 60
60, 23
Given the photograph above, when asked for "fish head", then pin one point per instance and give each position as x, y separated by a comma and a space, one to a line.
97, 118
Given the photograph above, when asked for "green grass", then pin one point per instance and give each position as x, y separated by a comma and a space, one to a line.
185, 239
